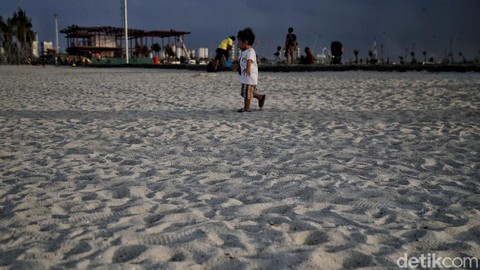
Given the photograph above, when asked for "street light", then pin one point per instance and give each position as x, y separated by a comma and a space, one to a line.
125, 22
315, 43
55, 16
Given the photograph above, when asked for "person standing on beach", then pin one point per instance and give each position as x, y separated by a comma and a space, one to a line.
278, 54
248, 70
290, 45
223, 50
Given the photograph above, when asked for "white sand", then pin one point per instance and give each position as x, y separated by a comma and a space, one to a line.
155, 169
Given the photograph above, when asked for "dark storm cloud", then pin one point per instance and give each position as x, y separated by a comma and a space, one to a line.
400, 25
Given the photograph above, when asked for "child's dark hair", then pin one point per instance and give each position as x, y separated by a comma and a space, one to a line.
246, 35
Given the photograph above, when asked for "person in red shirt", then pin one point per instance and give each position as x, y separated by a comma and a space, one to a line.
308, 59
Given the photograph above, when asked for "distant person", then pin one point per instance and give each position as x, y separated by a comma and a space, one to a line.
223, 50
308, 59
248, 70
336, 48
290, 45
278, 54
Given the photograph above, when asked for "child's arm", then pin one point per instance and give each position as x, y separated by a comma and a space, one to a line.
247, 69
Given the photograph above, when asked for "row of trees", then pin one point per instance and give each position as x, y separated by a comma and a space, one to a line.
16, 38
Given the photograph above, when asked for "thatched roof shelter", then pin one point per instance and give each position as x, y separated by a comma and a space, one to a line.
108, 41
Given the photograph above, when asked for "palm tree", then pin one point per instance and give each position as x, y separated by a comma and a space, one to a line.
25, 33
463, 57
17, 37
356, 55
414, 60
3, 28
7, 37
424, 56
13, 27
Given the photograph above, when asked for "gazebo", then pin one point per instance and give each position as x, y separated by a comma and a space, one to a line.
108, 41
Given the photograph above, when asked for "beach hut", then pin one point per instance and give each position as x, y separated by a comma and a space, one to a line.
108, 41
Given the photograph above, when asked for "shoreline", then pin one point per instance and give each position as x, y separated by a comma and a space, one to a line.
311, 68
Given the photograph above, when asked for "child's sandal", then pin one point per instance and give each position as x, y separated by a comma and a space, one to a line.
261, 101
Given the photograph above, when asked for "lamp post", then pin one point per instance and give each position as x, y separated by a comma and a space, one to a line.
125, 22
55, 16
388, 44
315, 43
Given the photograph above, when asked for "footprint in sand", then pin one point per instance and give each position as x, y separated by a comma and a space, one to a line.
128, 253
429, 162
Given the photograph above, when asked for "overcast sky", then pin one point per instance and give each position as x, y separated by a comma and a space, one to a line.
400, 25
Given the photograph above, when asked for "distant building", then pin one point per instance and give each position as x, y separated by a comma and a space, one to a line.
109, 41
35, 49
46, 47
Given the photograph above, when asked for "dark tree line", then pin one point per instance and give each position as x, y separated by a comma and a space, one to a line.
16, 38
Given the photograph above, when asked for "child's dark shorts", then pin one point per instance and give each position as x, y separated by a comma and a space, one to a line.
248, 90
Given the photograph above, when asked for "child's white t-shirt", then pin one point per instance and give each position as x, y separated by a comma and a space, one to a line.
249, 54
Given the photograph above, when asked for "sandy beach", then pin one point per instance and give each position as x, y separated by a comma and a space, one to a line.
154, 169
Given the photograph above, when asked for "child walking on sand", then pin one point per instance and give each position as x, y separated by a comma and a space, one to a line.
248, 70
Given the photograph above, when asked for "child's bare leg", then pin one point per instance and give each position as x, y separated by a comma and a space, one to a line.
261, 99
246, 104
